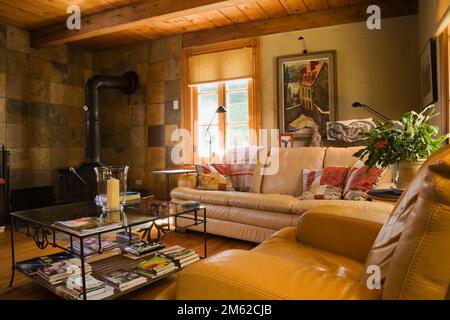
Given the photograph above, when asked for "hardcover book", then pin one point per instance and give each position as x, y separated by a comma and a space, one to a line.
123, 280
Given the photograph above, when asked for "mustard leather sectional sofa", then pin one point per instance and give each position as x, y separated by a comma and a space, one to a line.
329, 253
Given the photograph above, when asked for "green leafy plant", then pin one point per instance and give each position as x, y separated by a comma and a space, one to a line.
409, 138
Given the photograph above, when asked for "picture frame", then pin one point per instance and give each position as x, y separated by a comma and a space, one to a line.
428, 74
286, 140
307, 93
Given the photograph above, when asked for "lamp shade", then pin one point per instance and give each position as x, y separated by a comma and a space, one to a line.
221, 109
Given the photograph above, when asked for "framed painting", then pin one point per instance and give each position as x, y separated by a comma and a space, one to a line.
428, 74
286, 140
307, 93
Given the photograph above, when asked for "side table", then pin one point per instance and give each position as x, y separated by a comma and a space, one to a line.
168, 173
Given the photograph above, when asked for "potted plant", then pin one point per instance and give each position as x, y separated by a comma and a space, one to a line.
405, 143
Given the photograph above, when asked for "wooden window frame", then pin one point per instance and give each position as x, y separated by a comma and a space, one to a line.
188, 98
222, 118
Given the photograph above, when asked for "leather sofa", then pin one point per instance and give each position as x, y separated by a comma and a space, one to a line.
327, 255
273, 202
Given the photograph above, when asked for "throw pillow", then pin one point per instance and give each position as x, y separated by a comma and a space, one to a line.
324, 184
210, 179
242, 163
360, 180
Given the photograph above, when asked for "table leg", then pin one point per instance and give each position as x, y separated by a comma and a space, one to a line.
13, 261
168, 187
204, 233
83, 275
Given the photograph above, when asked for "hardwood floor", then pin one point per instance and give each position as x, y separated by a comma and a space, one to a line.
25, 249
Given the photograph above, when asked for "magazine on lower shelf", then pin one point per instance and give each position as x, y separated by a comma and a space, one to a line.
155, 267
58, 272
140, 247
31, 266
86, 225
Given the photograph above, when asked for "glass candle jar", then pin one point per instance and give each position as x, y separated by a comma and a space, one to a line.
111, 187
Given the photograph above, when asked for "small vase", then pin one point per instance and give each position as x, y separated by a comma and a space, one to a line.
405, 172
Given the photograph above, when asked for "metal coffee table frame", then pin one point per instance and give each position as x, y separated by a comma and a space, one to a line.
44, 234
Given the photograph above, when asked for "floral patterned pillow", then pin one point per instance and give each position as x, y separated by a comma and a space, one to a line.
360, 180
324, 184
209, 178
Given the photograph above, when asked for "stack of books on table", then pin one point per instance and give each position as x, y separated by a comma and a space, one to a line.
95, 289
58, 272
124, 280
91, 248
181, 256
86, 225
141, 248
155, 267
30, 267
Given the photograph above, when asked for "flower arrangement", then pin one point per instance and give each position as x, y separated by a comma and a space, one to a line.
409, 138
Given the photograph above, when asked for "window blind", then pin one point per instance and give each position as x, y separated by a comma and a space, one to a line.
221, 66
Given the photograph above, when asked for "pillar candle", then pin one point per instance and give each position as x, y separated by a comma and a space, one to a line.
113, 193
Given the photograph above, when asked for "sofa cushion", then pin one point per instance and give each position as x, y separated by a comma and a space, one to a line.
340, 157
283, 170
283, 244
251, 217
301, 206
204, 196
263, 202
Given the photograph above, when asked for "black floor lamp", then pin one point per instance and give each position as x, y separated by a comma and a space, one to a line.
220, 109
366, 107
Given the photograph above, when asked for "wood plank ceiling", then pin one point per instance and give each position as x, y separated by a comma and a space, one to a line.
36, 14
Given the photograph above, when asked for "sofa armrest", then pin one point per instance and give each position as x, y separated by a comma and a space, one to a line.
349, 232
187, 181
249, 275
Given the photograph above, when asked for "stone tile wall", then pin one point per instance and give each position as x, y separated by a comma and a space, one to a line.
41, 100
136, 129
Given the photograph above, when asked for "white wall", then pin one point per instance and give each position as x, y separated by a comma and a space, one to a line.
377, 67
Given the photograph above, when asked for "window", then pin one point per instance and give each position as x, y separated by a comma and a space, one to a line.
228, 130
221, 74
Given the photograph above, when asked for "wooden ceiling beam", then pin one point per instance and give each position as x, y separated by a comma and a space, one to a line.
309, 20
123, 18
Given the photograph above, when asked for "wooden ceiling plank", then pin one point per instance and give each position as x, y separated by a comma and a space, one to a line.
253, 11
340, 3
124, 18
217, 17
315, 5
302, 21
294, 6
234, 14
199, 20
273, 8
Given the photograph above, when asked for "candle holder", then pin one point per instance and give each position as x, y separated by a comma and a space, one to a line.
112, 187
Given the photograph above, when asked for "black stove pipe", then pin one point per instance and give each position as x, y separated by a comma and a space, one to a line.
128, 83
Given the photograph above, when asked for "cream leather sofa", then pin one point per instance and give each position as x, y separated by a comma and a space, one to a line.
273, 203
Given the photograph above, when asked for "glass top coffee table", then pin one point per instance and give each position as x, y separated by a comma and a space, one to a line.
153, 221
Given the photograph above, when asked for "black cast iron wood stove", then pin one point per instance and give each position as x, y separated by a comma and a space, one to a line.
79, 184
